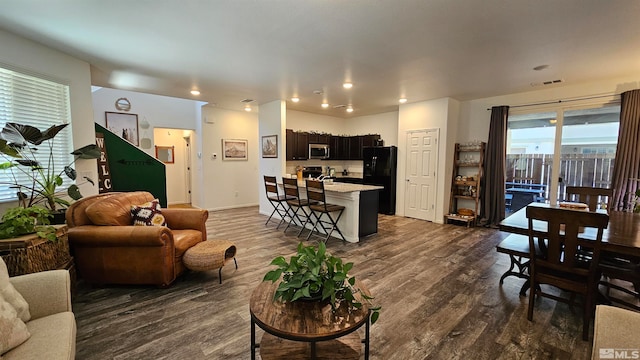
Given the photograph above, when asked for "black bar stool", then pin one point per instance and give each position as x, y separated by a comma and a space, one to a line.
315, 192
277, 201
298, 215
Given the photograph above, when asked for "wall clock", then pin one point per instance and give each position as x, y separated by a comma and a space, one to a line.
123, 104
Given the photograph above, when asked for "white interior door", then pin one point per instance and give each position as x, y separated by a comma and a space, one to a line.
420, 189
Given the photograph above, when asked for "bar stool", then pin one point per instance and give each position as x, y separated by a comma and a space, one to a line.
296, 205
277, 201
315, 191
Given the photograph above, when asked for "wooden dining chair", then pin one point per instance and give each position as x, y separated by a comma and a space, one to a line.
298, 216
322, 211
563, 262
588, 195
276, 199
622, 274
619, 273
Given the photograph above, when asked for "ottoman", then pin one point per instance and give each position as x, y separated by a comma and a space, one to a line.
209, 255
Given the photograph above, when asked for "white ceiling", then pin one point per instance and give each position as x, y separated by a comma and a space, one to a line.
267, 50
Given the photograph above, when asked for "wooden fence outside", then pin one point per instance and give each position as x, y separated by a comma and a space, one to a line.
593, 170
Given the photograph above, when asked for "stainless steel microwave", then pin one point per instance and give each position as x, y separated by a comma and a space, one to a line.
318, 151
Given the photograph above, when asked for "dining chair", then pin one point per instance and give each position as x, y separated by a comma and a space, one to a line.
562, 262
622, 274
298, 216
322, 210
588, 195
277, 200
614, 268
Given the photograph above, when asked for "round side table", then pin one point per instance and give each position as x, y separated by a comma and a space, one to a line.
293, 329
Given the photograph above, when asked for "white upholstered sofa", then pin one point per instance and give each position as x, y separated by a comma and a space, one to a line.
52, 325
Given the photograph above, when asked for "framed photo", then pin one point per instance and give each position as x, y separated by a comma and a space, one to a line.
234, 149
123, 125
270, 146
165, 154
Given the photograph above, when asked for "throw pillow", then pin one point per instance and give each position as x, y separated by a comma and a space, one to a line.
148, 214
11, 295
14, 331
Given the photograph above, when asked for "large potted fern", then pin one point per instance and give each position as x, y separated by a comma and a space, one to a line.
20, 147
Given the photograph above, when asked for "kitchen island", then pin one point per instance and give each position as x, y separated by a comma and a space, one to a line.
360, 216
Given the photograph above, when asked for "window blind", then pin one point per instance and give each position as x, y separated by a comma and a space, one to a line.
29, 100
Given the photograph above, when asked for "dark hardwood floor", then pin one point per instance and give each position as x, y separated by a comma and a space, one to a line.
437, 284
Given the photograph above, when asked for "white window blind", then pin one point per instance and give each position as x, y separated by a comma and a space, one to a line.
29, 100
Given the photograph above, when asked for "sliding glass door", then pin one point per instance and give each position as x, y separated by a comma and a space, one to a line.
548, 151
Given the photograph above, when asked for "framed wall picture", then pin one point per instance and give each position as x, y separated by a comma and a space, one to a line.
165, 154
234, 149
123, 125
270, 146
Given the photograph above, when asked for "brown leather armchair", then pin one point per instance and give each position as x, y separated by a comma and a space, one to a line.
108, 249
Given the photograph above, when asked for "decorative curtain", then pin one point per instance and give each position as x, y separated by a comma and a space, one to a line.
626, 170
492, 183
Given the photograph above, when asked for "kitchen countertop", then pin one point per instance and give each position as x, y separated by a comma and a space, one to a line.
344, 187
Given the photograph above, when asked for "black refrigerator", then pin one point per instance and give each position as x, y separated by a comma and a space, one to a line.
380, 169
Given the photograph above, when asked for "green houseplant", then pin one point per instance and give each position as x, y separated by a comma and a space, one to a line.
20, 221
19, 145
315, 274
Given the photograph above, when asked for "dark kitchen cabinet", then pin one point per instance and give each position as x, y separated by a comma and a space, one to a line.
297, 145
339, 148
355, 147
315, 138
370, 140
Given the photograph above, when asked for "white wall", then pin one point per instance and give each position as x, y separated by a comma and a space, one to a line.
229, 184
160, 112
272, 120
475, 118
385, 124
304, 121
24, 55
434, 114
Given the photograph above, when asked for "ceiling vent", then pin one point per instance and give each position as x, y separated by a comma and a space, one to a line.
551, 82
246, 101
546, 83
339, 106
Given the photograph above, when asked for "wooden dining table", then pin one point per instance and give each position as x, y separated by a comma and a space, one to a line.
622, 235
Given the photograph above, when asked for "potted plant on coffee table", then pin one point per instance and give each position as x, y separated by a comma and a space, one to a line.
19, 145
313, 274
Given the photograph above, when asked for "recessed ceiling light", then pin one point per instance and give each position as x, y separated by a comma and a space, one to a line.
347, 85
247, 108
195, 92
325, 105
349, 109
402, 100
295, 99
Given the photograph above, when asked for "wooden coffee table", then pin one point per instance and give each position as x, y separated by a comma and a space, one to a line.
306, 330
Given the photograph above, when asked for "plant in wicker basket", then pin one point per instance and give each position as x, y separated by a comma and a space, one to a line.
315, 274
20, 221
